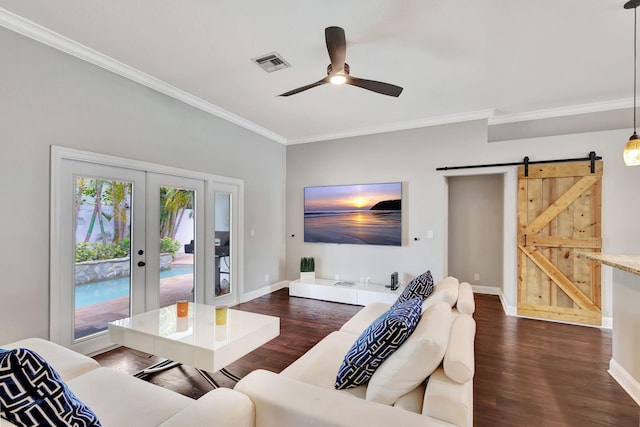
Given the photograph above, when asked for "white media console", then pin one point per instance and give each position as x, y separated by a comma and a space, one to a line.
329, 290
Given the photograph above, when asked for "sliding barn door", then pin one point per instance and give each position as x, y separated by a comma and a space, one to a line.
559, 207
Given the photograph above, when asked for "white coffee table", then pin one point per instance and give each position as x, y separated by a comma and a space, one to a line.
195, 340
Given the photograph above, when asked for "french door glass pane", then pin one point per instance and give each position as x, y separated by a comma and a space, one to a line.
177, 245
102, 290
222, 271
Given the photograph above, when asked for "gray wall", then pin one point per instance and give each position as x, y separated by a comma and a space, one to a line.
475, 226
412, 156
48, 97
408, 156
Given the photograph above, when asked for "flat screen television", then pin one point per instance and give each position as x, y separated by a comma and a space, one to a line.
363, 214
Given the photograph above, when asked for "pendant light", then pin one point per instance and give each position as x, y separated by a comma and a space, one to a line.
631, 152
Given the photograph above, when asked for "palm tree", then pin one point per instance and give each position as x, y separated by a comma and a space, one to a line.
120, 192
173, 204
94, 188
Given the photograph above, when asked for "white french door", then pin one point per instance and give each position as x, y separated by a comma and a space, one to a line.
128, 237
87, 293
224, 287
174, 205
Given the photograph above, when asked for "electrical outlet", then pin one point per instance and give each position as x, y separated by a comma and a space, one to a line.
266, 277
476, 276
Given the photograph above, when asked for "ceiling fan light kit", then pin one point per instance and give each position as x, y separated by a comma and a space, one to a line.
338, 70
631, 153
339, 77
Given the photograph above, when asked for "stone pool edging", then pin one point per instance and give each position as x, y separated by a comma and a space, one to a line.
95, 271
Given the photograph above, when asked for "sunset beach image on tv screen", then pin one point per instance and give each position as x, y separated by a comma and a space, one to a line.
368, 214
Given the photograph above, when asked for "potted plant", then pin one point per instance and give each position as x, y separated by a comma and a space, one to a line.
307, 268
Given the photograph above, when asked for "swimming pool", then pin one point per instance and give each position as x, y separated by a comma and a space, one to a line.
91, 293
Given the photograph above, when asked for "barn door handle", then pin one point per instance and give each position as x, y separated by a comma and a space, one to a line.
525, 240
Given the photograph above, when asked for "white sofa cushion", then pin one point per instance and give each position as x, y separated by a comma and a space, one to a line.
362, 319
459, 359
320, 364
466, 304
67, 363
123, 400
415, 360
221, 407
445, 290
413, 400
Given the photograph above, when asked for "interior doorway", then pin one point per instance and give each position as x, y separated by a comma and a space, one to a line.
476, 229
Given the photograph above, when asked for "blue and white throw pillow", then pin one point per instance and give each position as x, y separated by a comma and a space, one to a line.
421, 286
384, 336
33, 394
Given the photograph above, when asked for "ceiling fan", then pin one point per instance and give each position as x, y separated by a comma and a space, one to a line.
338, 70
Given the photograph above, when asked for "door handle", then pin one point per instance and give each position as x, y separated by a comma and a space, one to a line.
141, 264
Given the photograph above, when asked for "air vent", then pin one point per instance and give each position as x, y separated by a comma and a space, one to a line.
271, 62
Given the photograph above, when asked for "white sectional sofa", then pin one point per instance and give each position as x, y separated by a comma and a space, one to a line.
441, 348
122, 400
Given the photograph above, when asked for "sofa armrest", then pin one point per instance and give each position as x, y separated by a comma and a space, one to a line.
448, 400
466, 303
221, 407
459, 364
280, 402
67, 363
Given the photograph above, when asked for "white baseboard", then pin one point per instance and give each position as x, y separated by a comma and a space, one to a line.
489, 290
265, 290
509, 310
626, 381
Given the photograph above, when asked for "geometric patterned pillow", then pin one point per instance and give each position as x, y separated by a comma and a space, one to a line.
376, 343
33, 394
421, 286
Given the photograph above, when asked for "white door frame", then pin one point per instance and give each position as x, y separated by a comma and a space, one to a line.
60, 270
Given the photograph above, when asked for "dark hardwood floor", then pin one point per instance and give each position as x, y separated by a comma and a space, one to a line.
528, 372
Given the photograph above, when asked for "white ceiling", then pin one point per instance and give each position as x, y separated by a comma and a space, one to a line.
506, 60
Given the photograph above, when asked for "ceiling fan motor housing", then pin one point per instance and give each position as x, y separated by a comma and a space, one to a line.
330, 69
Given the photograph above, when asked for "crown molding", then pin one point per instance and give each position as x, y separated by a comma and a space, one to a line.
50, 38
393, 127
499, 119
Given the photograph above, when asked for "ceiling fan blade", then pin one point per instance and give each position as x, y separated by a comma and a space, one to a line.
336, 46
303, 88
375, 86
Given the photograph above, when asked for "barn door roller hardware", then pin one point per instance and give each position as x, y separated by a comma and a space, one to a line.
526, 162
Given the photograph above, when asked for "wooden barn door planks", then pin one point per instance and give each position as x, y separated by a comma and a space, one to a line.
559, 213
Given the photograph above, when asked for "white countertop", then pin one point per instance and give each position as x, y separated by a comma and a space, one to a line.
626, 262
